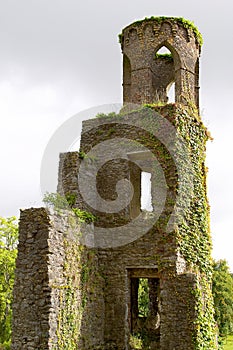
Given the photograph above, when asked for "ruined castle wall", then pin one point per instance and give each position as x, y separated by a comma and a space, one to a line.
153, 250
32, 292
73, 284
68, 173
177, 307
53, 305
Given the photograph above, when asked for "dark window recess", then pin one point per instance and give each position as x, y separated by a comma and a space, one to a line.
145, 313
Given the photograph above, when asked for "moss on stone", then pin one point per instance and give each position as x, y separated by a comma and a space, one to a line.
179, 20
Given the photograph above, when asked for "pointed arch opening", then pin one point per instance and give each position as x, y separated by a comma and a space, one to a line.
163, 74
163, 51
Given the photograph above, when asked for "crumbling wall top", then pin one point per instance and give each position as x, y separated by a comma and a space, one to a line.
174, 22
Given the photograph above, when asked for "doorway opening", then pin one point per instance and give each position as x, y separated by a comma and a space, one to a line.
144, 310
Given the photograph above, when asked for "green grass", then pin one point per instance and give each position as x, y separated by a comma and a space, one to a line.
229, 343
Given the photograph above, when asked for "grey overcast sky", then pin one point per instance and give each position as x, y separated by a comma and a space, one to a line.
59, 57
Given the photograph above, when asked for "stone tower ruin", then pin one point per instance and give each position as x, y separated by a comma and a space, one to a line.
133, 277
147, 76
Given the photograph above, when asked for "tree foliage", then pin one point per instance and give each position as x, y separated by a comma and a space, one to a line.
223, 297
8, 252
143, 297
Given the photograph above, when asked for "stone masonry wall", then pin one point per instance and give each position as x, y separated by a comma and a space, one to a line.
32, 294
73, 283
52, 308
157, 250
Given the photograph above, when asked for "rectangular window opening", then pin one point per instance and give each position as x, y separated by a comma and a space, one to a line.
146, 196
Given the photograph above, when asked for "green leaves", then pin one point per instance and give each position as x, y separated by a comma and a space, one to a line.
143, 297
8, 232
58, 202
223, 297
8, 253
84, 216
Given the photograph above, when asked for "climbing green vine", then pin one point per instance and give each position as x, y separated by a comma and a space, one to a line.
191, 238
193, 234
73, 295
205, 334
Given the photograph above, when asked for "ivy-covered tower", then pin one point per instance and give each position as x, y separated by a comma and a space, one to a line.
139, 276
155, 261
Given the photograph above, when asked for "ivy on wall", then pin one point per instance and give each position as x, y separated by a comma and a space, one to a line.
77, 274
192, 234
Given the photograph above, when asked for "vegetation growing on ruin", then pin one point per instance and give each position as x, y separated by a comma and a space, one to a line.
76, 295
179, 20
192, 234
108, 115
192, 238
80, 262
73, 295
167, 56
58, 202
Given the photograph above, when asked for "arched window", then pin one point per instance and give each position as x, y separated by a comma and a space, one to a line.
164, 51
163, 75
